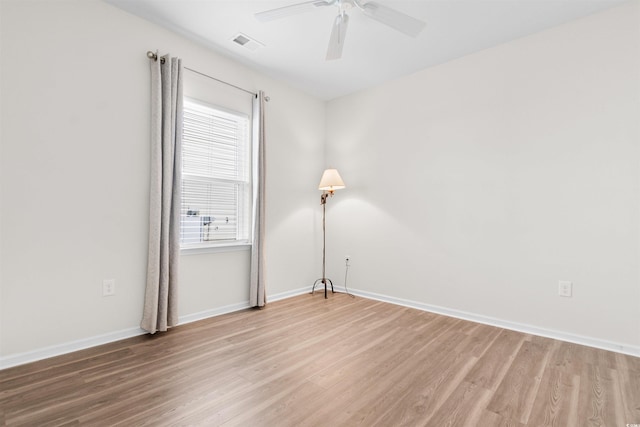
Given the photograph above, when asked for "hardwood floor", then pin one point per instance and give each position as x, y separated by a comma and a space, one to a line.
306, 361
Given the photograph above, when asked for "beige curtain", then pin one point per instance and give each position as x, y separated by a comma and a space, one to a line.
257, 296
160, 302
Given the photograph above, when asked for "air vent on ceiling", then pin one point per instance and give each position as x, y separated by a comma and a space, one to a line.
247, 42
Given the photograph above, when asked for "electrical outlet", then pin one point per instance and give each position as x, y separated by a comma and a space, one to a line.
565, 288
108, 287
347, 260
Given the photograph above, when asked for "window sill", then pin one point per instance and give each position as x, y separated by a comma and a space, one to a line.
228, 247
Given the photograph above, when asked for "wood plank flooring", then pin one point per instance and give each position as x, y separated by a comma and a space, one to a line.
344, 361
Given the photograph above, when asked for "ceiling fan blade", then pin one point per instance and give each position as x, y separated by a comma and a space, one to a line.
395, 19
294, 9
338, 33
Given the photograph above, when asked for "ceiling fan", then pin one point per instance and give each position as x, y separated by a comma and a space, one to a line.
395, 19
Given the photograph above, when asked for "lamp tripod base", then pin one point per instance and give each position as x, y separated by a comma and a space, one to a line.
324, 281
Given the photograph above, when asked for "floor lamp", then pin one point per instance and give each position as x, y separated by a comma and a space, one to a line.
329, 182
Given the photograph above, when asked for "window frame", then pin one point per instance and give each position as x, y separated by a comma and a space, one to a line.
244, 217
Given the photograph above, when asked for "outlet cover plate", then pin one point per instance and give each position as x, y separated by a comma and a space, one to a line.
108, 287
565, 288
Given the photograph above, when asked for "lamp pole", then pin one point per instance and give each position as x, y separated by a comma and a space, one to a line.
324, 280
329, 182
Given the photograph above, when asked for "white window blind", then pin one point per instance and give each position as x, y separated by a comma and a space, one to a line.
215, 176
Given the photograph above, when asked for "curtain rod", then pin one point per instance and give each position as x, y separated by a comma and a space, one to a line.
154, 56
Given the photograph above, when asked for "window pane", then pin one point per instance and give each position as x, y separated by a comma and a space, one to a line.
212, 146
215, 169
209, 210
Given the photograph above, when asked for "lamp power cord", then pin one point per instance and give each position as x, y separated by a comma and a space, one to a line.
346, 272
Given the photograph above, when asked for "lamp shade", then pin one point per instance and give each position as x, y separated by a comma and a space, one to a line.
331, 181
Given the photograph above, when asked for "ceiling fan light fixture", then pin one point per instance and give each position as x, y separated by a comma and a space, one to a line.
345, 5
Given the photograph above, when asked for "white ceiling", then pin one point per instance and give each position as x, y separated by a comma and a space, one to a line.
295, 47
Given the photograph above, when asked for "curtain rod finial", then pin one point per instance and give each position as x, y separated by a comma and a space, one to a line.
151, 55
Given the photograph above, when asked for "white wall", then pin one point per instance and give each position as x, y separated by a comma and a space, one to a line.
75, 176
476, 185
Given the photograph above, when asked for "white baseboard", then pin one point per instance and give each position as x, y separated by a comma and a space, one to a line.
236, 307
629, 349
57, 350
68, 347
288, 294
188, 318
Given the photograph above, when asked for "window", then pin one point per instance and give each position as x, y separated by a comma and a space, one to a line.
215, 176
